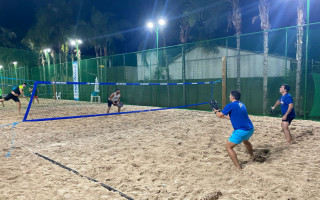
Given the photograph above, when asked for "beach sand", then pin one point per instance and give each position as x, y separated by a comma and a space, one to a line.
168, 154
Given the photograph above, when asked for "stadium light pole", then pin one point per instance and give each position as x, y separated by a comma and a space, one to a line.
76, 43
2, 74
15, 63
46, 53
156, 26
306, 63
1, 67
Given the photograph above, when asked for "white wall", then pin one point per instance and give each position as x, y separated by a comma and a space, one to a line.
204, 65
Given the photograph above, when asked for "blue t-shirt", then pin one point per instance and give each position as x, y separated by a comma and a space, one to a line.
238, 116
285, 100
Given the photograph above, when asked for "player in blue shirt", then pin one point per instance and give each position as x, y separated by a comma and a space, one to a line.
287, 110
242, 125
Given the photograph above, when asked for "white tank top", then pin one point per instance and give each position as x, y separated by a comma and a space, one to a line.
115, 96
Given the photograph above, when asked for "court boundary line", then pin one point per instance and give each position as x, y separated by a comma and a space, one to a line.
87, 177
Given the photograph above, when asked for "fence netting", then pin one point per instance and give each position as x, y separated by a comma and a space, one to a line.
249, 67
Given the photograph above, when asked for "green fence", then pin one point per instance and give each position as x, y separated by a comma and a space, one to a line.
202, 61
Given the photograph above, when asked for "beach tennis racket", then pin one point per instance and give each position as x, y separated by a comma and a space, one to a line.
120, 104
214, 104
271, 112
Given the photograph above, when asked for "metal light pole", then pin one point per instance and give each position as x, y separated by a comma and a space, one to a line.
306, 64
46, 53
2, 74
15, 63
156, 27
76, 43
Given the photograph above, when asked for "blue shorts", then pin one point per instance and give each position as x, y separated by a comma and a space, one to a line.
238, 136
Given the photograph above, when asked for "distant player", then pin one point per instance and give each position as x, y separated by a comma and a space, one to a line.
287, 110
35, 96
1, 97
114, 99
242, 125
14, 95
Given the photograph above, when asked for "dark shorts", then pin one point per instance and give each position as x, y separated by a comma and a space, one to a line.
110, 103
289, 119
11, 96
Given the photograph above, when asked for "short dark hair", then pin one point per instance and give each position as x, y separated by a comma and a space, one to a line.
24, 84
236, 94
286, 87
117, 89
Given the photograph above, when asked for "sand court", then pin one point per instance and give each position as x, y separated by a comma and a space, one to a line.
168, 154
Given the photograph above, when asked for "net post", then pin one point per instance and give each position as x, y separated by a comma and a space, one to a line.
35, 85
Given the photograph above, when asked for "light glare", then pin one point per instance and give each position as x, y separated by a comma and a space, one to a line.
47, 50
150, 25
75, 42
162, 22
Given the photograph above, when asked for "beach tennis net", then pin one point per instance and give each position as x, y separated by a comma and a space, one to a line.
63, 100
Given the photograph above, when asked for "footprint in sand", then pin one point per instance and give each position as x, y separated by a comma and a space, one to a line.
212, 196
261, 155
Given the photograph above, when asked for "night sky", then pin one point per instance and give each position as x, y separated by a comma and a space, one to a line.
19, 15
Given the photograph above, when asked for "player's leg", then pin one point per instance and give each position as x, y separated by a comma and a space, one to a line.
2, 101
287, 134
109, 106
19, 107
249, 148
119, 108
246, 135
6, 98
17, 100
37, 99
232, 154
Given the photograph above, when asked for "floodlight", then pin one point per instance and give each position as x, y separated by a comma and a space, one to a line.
162, 22
72, 42
150, 25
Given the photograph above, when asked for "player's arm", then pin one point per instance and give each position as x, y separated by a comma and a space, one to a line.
275, 105
119, 99
110, 98
220, 114
21, 92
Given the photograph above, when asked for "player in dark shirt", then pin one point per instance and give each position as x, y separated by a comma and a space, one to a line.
14, 95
